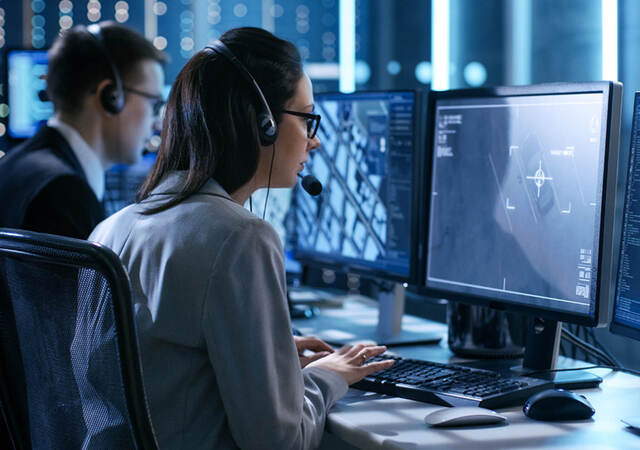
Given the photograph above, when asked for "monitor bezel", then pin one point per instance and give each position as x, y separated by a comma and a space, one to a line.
5, 74
313, 259
618, 327
609, 220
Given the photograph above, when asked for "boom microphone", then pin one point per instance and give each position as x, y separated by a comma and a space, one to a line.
311, 184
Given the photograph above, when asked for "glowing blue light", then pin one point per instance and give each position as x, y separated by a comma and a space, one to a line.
37, 6
394, 67
186, 18
440, 41
424, 72
347, 38
37, 21
610, 40
37, 33
475, 74
521, 39
363, 72
240, 10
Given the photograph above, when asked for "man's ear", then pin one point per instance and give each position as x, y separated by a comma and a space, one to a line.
109, 97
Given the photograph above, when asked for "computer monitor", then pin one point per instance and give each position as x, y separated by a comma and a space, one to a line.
278, 213
29, 106
521, 203
626, 307
361, 222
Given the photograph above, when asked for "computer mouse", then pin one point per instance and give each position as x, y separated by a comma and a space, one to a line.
458, 416
558, 404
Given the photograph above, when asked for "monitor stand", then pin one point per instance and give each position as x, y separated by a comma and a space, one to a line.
384, 326
542, 347
389, 331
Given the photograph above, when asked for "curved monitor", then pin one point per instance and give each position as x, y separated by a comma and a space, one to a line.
626, 307
362, 221
521, 198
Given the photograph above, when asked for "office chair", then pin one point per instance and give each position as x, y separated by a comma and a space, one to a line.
71, 375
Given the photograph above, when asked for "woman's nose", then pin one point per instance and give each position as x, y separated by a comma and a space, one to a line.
315, 143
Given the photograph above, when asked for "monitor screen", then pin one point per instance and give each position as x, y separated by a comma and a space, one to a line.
279, 214
122, 183
521, 199
362, 220
626, 308
28, 104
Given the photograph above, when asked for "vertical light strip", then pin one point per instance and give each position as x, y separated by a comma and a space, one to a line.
610, 40
201, 25
521, 37
347, 45
440, 44
150, 20
268, 20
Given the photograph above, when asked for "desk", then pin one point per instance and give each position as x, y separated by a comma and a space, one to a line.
367, 420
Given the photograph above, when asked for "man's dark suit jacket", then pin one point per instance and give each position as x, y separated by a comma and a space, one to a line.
43, 188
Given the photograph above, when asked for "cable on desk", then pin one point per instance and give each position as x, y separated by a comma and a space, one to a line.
587, 335
589, 349
596, 342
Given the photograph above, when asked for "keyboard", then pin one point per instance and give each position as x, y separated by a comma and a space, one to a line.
450, 384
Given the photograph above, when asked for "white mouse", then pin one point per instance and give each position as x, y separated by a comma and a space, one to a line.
458, 416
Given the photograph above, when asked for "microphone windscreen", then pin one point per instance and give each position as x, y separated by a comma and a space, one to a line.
311, 185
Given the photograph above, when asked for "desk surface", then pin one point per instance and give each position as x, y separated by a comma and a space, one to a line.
369, 420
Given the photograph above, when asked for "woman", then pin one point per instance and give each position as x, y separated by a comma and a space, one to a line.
221, 367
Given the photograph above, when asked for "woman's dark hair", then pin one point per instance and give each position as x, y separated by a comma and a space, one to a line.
210, 126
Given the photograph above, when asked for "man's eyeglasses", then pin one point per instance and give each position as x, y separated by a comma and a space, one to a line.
158, 101
313, 121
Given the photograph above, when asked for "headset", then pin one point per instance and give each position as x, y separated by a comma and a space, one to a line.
267, 128
112, 96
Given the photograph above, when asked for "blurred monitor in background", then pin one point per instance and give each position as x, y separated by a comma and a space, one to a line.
29, 105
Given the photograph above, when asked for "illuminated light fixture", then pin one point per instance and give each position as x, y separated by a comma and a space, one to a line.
521, 37
322, 71
159, 8
186, 43
65, 22
160, 42
610, 40
65, 6
347, 37
440, 44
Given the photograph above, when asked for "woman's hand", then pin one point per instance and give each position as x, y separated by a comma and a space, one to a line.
314, 344
350, 361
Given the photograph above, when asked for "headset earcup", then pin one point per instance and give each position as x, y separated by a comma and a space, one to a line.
267, 129
112, 101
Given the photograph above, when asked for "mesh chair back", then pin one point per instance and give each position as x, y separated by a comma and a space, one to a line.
71, 373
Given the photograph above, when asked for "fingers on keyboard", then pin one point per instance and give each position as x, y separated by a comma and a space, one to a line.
378, 365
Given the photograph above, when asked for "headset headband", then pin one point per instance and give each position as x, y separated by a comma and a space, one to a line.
112, 100
266, 122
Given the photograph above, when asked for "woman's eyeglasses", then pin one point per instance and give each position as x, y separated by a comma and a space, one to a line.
158, 101
312, 120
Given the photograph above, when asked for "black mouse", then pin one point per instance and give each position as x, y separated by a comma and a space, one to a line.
558, 404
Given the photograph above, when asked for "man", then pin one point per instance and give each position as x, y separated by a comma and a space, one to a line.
105, 82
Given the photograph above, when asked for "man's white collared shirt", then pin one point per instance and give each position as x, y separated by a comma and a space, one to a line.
91, 165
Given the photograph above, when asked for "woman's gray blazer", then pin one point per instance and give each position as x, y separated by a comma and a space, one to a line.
221, 368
